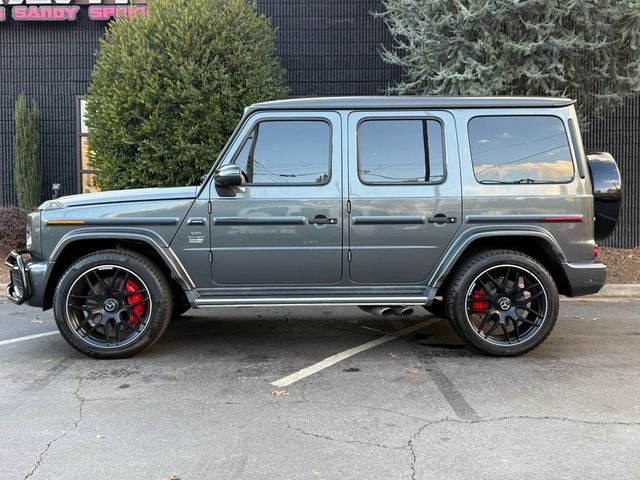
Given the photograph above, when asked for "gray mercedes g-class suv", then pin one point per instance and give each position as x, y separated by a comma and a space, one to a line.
481, 209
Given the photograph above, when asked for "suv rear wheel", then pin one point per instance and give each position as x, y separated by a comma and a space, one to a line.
502, 303
112, 304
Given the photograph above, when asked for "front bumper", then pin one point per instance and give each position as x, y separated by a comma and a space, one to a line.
19, 289
28, 278
585, 278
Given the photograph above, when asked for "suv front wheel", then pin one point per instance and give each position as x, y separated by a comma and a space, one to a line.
112, 304
502, 302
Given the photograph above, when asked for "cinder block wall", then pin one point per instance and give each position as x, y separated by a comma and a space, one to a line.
52, 63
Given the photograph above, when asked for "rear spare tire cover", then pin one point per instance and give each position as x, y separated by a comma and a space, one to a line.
607, 192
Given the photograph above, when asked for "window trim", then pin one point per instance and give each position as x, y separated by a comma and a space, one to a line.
288, 119
404, 184
564, 126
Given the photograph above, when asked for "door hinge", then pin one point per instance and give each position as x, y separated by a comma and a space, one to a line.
349, 255
210, 256
348, 206
210, 208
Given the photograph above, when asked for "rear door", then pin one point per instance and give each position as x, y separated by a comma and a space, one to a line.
404, 194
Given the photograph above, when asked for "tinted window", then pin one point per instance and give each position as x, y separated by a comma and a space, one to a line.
509, 149
287, 151
400, 151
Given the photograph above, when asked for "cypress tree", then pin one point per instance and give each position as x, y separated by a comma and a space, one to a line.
27, 170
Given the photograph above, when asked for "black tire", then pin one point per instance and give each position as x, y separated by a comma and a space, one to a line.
504, 316
437, 308
89, 289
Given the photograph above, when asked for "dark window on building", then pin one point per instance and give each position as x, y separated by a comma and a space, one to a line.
86, 173
287, 151
520, 149
400, 151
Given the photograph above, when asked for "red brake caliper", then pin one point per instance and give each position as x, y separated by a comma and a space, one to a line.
133, 286
479, 304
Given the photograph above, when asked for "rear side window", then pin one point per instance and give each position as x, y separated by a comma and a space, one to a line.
520, 149
287, 151
400, 151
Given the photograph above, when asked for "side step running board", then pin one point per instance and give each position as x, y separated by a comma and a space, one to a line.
304, 301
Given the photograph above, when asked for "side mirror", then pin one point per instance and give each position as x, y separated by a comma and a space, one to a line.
228, 176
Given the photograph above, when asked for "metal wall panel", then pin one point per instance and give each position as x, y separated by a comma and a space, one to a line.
328, 47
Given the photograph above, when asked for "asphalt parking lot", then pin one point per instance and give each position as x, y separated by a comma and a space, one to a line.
200, 404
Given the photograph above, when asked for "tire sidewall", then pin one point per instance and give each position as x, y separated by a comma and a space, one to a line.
459, 302
140, 266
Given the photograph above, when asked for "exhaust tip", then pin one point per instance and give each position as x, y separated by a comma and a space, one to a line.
380, 311
386, 310
403, 311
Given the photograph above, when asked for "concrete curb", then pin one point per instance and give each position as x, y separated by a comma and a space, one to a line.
608, 291
619, 290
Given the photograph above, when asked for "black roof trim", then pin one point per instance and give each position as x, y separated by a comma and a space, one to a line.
409, 102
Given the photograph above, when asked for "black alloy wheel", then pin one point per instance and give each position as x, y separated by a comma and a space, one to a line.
506, 305
502, 302
112, 304
108, 306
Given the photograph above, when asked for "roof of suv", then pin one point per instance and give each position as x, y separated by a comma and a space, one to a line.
416, 102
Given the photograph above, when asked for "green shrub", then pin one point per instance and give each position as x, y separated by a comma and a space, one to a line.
27, 170
169, 88
13, 222
588, 49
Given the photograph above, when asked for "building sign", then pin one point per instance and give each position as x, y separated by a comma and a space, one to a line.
67, 10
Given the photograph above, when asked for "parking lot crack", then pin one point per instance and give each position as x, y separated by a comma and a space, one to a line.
341, 440
412, 452
552, 418
411, 442
76, 422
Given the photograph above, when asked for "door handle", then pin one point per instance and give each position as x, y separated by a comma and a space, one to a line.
441, 219
322, 220
196, 221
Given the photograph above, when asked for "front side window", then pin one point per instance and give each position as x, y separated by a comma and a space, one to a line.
287, 151
400, 151
520, 149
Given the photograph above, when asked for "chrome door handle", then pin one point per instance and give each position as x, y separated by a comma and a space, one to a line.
441, 219
322, 220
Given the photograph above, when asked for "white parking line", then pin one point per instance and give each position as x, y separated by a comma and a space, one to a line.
29, 337
338, 357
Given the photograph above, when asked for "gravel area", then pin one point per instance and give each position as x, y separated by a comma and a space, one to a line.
623, 263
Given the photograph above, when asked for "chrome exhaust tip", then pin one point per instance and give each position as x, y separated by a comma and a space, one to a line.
402, 311
380, 311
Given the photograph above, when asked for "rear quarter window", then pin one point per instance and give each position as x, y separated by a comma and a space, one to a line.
520, 150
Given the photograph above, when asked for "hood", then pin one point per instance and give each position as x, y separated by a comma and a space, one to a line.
122, 196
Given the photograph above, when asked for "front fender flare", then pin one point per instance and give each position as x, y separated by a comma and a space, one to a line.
148, 237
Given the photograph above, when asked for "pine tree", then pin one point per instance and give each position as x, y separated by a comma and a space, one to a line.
585, 49
27, 170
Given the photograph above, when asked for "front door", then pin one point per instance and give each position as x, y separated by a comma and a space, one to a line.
284, 226
404, 194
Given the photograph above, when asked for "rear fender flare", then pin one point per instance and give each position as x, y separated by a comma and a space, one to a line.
457, 249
